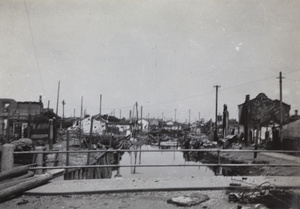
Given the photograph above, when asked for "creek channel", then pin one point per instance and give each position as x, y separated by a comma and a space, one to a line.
170, 158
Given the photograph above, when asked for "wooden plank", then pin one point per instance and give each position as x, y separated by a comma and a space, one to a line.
24, 186
17, 171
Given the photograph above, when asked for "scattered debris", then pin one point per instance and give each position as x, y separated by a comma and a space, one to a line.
23, 202
189, 200
268, 195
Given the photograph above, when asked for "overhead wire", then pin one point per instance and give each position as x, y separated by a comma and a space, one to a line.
188, 97
34, 47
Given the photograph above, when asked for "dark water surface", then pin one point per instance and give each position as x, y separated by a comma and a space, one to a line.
160, 158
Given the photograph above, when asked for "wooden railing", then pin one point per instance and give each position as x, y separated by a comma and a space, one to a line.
102, 165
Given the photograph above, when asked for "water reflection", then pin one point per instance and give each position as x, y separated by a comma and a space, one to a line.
170, 158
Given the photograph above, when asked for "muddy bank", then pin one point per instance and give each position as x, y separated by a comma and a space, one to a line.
244, 158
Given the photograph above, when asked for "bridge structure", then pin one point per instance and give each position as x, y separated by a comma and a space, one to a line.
60, 186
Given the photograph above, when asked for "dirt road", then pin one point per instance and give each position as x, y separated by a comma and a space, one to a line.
145, 200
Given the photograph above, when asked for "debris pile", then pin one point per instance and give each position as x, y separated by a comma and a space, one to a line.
189, 200
268, 195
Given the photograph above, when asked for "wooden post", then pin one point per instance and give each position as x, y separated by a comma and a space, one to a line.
137, 115
63, 115
7, 157
80, 129
100, 105
118, 163
57, 97
281, 108
39, 159
216, 124
140, 154
189, 117
142, 118
8, 128
90, 141
256, 140
219, 162
67, 154
50, 134
175, 116
110, 140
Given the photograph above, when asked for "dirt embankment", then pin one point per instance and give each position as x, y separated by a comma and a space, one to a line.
248, 158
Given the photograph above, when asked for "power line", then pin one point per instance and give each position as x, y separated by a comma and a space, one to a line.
34, 47
189, 97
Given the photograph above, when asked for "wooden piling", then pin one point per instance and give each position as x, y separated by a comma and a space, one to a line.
39, 159
67, 154
17, 171
24, 186
51, 134
7, 157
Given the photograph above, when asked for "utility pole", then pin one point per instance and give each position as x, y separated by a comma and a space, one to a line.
120, 114
162, 116
137, 115
100, 105
142, 117
48, 108
189, 117
281, 108
63, 103
80, 129
216, 123
175, 116
137, 110
57, 97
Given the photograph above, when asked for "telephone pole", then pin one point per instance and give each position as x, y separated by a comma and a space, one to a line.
63, 103
63, 114
80, 124
216, 123
57, 97
142, 117
281, 108
189, 117
100, 105
175, 116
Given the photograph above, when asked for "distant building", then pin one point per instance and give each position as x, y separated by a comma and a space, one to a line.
144, 125
295, 116
291, 135
24, 119
153, 123
99, 125
260, 112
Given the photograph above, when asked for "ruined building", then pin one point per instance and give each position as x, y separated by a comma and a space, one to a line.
260, 112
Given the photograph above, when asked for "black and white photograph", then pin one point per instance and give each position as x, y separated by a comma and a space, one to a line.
150, 104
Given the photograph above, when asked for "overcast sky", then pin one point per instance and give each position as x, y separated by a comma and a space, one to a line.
163, 54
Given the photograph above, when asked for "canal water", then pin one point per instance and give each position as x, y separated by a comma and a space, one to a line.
172, 158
